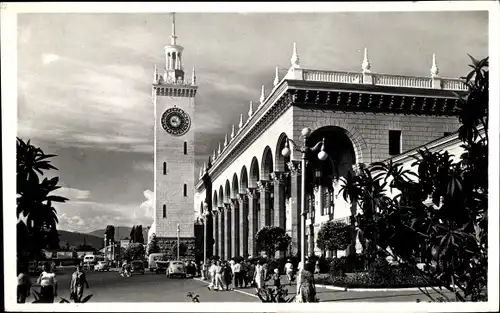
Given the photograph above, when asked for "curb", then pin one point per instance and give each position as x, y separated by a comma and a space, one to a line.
371, 289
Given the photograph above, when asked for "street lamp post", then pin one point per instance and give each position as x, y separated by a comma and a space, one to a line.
304, 149
178, 239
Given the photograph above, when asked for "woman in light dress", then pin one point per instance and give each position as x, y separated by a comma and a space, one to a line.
259, 275
306, 288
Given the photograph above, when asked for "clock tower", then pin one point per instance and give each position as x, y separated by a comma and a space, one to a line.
174, 161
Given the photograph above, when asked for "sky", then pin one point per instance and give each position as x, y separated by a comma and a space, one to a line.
84, 84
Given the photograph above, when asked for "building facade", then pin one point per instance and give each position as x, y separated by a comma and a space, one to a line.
173, 96
360, 118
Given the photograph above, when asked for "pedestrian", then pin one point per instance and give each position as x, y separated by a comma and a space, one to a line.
78, 282
243, 274
307, 288
219, 285
237, 275
265, 267
259, 275
299, 276
211, 273
276, 278
202, 268
23, 284
251, 272
316, 268
289, 271
48, 285
228, 275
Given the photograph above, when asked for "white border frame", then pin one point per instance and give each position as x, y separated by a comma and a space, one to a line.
9, 131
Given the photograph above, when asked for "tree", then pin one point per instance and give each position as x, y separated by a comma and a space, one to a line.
153, 245
134, 251
271, 239
439, 218
110, 233
334, 236
182, 249
85, 247
139, 236
132, 234
34, 198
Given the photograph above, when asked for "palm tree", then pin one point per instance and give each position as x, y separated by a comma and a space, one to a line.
34, 199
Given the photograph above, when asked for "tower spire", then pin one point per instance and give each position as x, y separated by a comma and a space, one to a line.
365, 66
173, 38
434, 68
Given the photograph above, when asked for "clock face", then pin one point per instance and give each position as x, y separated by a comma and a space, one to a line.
175, 121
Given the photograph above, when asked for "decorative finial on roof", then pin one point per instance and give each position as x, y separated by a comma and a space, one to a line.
219, 151
193, 78
232, 132
201, 172
262, 95
173, 38
204, 167
214, 156
434, 68
155, 75
250, 112
240, 125
366, 63
295, 57
225, 140
276, 77
209, 164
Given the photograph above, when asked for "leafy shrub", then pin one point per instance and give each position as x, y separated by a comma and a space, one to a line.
347, 264
396, 279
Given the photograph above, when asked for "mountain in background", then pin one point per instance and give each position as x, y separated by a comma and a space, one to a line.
75, 239
120, 232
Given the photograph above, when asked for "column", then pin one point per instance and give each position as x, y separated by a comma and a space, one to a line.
252, 219
265, 188
235, 228
221, 233
243, 210
295, 176
215, 216
227, 228
279, 203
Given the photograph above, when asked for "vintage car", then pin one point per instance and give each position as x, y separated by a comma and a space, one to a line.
137, 267
101, 266
176, 268
161, 266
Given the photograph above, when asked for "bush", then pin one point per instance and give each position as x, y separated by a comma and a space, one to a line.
347, 264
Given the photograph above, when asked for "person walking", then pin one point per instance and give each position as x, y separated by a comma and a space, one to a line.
289, 271
211, 274
219, 285
259, 275
316, 268
23, 284
299, 272
237, 275
307, 288
276, 279
78, 282
228, 275
243, 274
48, 285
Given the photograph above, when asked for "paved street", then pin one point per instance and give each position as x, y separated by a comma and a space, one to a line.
151, 287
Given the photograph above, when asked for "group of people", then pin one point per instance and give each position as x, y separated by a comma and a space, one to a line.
48, 284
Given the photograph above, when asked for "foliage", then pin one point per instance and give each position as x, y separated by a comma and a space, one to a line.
193, 297
132, 234
271, 239
278, 295
153, 245
395, 278
440, 218
85, 247
333, 236
182, 249
110, 233
138, 234
134, 251
34, 199
347, 264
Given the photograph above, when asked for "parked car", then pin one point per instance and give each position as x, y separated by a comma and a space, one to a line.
161, 266
137, 267
101, 266
176, 268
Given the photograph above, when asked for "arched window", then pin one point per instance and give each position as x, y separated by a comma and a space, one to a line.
185, 190
164, 168
164, 211
185, 147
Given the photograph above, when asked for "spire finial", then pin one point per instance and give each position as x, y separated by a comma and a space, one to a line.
295, 57
366, 63
155, 75
232, 132
204, 167
214, 156
240, 125
219, 151
225, 140
201, 171
250, 112
434, 68
262, 95
193, 77
276, 77
173, 37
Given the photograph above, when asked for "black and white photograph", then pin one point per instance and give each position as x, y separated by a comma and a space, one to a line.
230, 157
